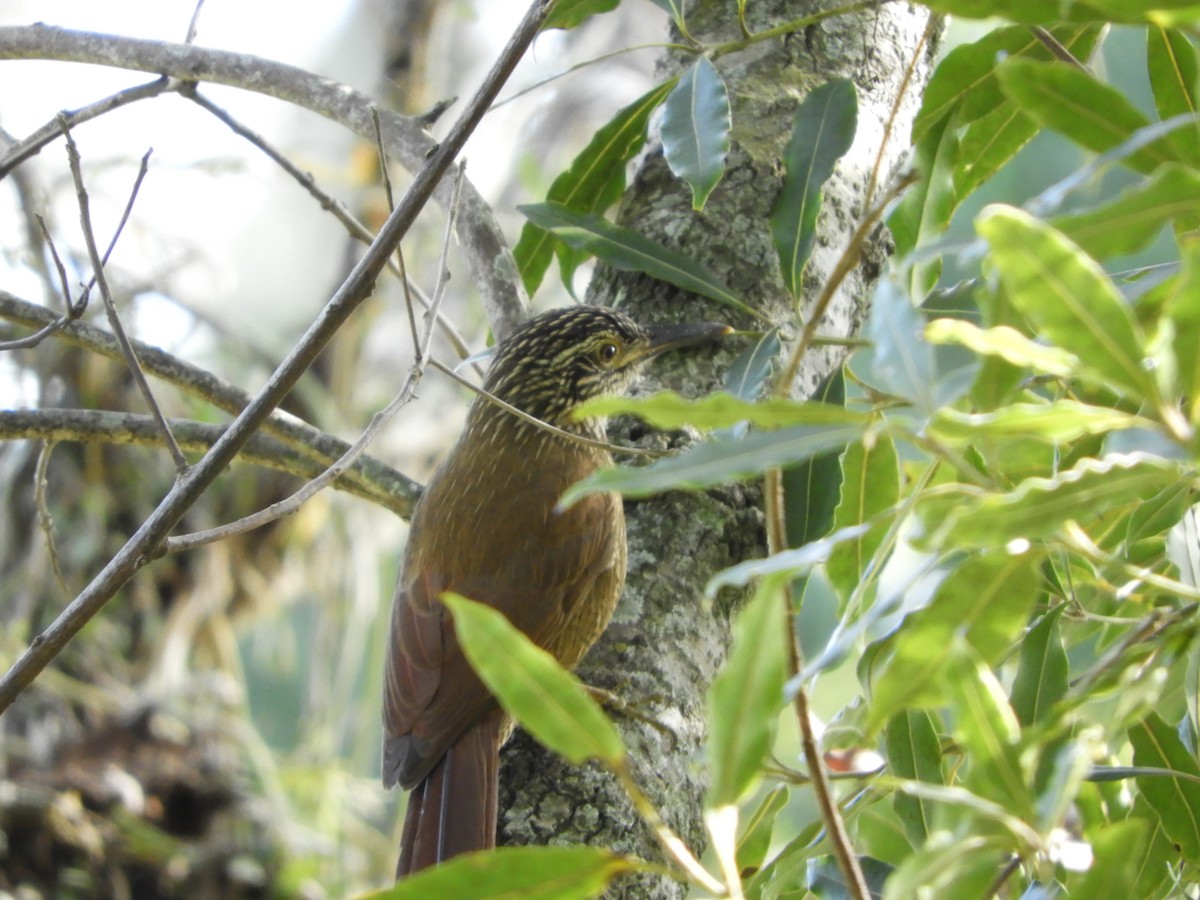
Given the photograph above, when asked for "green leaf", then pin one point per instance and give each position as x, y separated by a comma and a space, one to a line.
667, 409
1171, 63
899, 362
925, 209
759, 830
629, 251
1055, 422
516, 873
810, 489
717, 462
1176, 800
1072, 102
1041, 679
870, 486
747, 375
546, 699
793, 562
1039, 12
568, 14
1116, 849
824, 131
1183, 308
695, 129
1038, 507
984, 603
747, 695
1069, 298
593, 182
1004, 342
1130, 222
914, 752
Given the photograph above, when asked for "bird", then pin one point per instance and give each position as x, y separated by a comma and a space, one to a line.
488, 527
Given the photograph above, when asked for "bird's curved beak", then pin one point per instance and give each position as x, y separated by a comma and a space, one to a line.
670, 337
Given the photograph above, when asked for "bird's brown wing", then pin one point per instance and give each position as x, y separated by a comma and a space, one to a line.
431, 695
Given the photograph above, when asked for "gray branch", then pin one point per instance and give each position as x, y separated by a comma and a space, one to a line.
490, 260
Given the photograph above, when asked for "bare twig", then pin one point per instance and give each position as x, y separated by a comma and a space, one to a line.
147, 541
74, 310
403, 397
101, 426
110, 308
45, 519
491, 262
30, 146
195, 21
372, 478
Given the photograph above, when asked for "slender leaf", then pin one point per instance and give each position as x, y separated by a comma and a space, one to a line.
899, 361
516, 873
1039, 12
747, 695
532, 687
1130, 222
1175, 800
1039, 506
747, 375
824, 131
593, 182
1183, 308
1042, 673
1056, 422
914, 752
1004, 342
629, 251
759, 831
695, 129
1116, 849
1090, 113
1069, 297
1171, 63
810, 489
793, 562
870, 485
924, 211
568, 14
716, 462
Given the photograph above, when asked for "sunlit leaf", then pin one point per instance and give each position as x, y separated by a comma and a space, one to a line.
532, 687
1042, 673
1004, 342
667, 409
747, 695
1068, 296
870, 485
508, 873
790, 562
926, 207
1183, 307
824, 130
1061, 420
1172, 66
695, 129
629, 251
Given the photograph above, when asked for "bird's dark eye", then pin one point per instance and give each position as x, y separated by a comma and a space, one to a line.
606, 352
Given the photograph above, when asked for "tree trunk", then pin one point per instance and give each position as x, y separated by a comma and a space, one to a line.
665, 644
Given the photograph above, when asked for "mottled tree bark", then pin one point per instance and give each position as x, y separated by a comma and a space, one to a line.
665, 644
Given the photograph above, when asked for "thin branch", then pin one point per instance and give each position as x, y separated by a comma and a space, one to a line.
101, 426
403, 397
45, 518
376, 479
110, 308
30, 146
491, 263
147, 541
195, 21
1056, 47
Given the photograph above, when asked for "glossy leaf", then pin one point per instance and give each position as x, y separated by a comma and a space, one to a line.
824, 130
568, 14
1172, 66
1131, 221
532, 687
718, 461
1041, 679
1175, 800
870, 486
747, 695
667, 409
629, 251
695, 129
748, 374
914, 752
508, 873
1038, 507
1075, 104
594, 181
1068, 297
